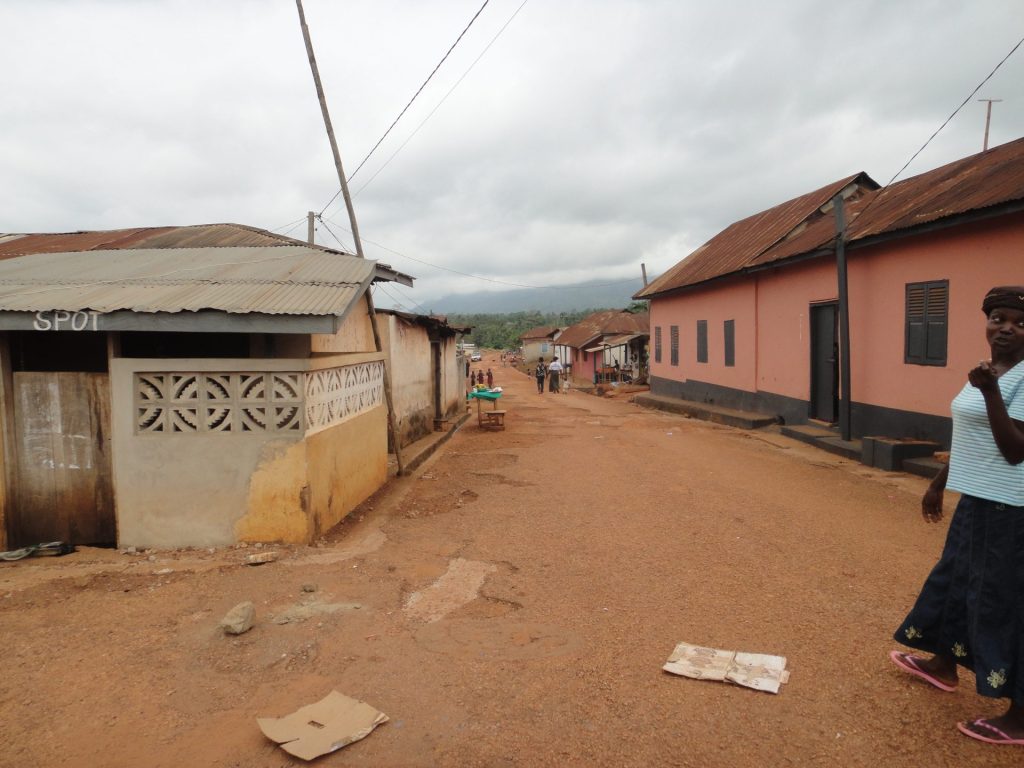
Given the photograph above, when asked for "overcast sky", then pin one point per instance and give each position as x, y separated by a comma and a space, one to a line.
590, 137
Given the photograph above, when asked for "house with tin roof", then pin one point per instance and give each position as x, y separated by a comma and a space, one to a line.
538, 342
186, 386
750, 320
605, 342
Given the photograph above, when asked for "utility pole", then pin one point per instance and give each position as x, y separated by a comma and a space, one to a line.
643, 272
392, 432
845, 401
330, 130
310, 229
988, 120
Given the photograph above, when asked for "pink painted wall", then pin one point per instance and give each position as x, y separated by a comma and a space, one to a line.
732, 301
584, 370
772, 312
973, 258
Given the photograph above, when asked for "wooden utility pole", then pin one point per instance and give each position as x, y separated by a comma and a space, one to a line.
988, 121
392, 431
845, 402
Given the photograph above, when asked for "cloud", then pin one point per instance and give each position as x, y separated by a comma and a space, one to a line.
591, 136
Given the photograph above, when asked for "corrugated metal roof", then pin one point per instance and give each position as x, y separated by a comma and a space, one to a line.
147, 238
607, 323
540, 332
985, 180
291, 280
739, 243
980, 181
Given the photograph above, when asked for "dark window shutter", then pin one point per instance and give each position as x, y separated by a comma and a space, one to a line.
730, 342
927, 319
702, 341
674, 336
657, 343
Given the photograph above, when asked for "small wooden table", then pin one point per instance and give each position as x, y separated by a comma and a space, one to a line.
492, 419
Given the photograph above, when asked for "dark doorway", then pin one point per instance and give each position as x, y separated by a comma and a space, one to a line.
824, 363
435, 375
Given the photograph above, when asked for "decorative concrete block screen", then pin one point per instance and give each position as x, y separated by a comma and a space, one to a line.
282, 402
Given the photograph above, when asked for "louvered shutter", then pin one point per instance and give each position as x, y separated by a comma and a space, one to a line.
926, 323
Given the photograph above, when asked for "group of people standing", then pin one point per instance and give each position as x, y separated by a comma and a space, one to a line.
552, 372
478, 377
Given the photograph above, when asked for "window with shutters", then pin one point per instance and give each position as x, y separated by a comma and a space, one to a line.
674, 338
657, 343
927, 321
730, 342
702, 341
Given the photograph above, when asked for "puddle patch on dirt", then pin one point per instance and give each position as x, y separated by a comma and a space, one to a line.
497, 640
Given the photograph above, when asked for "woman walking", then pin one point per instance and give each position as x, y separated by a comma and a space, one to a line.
970, 612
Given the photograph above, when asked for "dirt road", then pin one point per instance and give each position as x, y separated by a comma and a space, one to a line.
511, 604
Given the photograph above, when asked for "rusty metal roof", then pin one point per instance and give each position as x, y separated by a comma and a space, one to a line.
279, 279
612, 322
739, 243
540, 332
149, 238
982, 181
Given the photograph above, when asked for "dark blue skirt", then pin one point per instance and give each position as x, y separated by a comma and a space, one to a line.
972, 605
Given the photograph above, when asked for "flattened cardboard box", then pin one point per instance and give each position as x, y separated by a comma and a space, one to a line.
751, 670
326, 726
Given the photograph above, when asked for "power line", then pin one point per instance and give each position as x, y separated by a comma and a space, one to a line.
406, 107
901, 170
442, 101
481, 277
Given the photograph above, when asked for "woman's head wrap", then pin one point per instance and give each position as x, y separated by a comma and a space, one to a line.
1011, 296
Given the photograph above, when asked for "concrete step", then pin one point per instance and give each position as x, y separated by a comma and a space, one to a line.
707, 412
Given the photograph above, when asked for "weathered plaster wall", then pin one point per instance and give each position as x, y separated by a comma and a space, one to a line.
408, 351
346, 465
355, 334
453, 378
215, 489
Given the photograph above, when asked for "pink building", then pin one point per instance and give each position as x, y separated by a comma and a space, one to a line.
750, 319
601, 338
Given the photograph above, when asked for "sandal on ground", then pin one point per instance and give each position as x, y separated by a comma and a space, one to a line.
912, 665
998, 736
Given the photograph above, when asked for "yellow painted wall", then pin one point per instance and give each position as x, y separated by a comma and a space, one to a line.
355, 335
278, 502
345, 465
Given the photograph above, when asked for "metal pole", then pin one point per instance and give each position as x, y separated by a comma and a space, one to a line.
845, 401
392, 431
988, 121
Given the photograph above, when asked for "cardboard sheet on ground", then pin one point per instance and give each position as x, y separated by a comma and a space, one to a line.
326, 726
751, 670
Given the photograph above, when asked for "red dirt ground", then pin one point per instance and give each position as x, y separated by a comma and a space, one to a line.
604, 534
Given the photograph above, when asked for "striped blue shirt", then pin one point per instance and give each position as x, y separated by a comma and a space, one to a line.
976, 467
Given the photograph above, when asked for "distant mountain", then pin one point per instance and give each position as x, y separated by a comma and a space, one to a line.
593, 295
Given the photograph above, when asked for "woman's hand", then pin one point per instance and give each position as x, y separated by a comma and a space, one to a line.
931, 505
984, 377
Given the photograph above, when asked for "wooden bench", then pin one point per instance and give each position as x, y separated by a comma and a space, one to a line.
492, 419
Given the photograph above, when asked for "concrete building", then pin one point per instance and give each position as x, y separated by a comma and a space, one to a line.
538, 342
596, 343
428, 371
750, 319
186, 386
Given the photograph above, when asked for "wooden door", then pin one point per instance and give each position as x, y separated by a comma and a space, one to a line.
62, 487
824, 363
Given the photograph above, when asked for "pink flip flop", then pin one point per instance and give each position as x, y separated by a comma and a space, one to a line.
1002, 736
909, 663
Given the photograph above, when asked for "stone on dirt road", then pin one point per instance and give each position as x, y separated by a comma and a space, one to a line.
239, 619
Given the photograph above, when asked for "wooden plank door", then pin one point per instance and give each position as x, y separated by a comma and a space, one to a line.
63, 489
